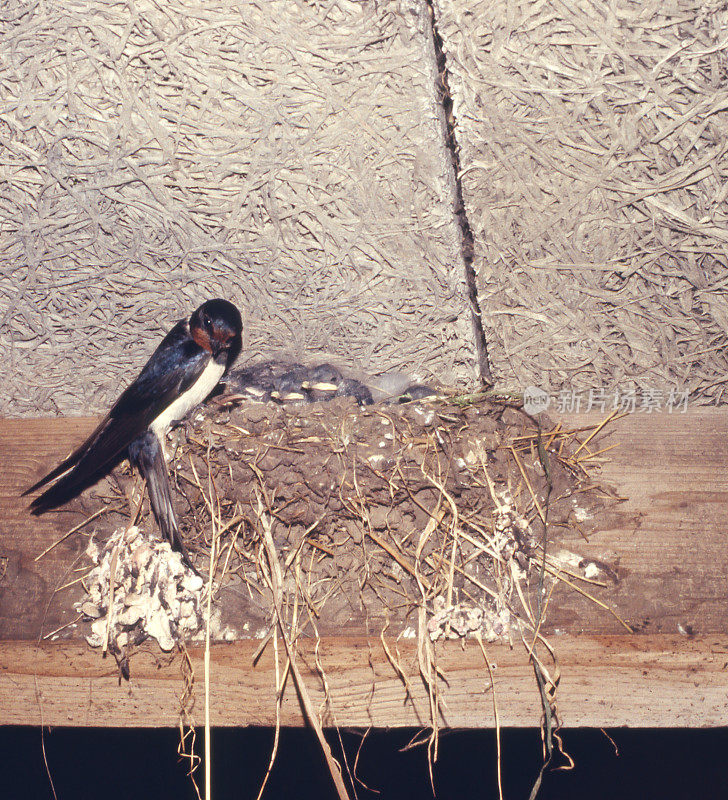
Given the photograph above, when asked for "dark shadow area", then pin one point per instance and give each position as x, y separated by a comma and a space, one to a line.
109, 764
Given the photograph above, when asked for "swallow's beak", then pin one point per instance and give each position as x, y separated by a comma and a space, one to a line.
217, 347
221, 345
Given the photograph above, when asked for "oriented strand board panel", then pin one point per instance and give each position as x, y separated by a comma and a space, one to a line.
594, 153
285, 154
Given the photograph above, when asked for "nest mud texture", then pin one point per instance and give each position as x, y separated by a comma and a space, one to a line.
287, 155
381, 514
593, 146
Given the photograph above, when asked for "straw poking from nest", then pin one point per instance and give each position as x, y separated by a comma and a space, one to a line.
425, 519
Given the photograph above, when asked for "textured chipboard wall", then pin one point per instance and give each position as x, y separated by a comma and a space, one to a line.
288, 155
594, 158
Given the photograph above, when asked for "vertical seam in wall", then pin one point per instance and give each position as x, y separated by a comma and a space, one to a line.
467, 239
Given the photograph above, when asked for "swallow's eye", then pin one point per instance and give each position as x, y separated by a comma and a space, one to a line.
207, 322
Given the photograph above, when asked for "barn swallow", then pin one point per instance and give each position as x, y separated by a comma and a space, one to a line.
181, 373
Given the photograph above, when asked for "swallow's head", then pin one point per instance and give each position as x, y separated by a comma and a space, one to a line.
217, 327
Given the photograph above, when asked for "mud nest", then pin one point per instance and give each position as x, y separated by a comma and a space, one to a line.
426, 518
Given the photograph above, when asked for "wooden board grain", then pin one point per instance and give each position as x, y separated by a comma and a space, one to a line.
30, 601
667, 543
644, 680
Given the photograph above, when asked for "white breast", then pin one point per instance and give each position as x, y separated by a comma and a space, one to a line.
199, 390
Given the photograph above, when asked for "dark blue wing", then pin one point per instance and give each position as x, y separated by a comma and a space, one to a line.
173, 367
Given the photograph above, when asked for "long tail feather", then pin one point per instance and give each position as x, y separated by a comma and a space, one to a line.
145, 453
96, 457
70, 485
64, 466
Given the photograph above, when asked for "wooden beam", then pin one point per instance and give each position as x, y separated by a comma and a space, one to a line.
668, 544
662, 680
